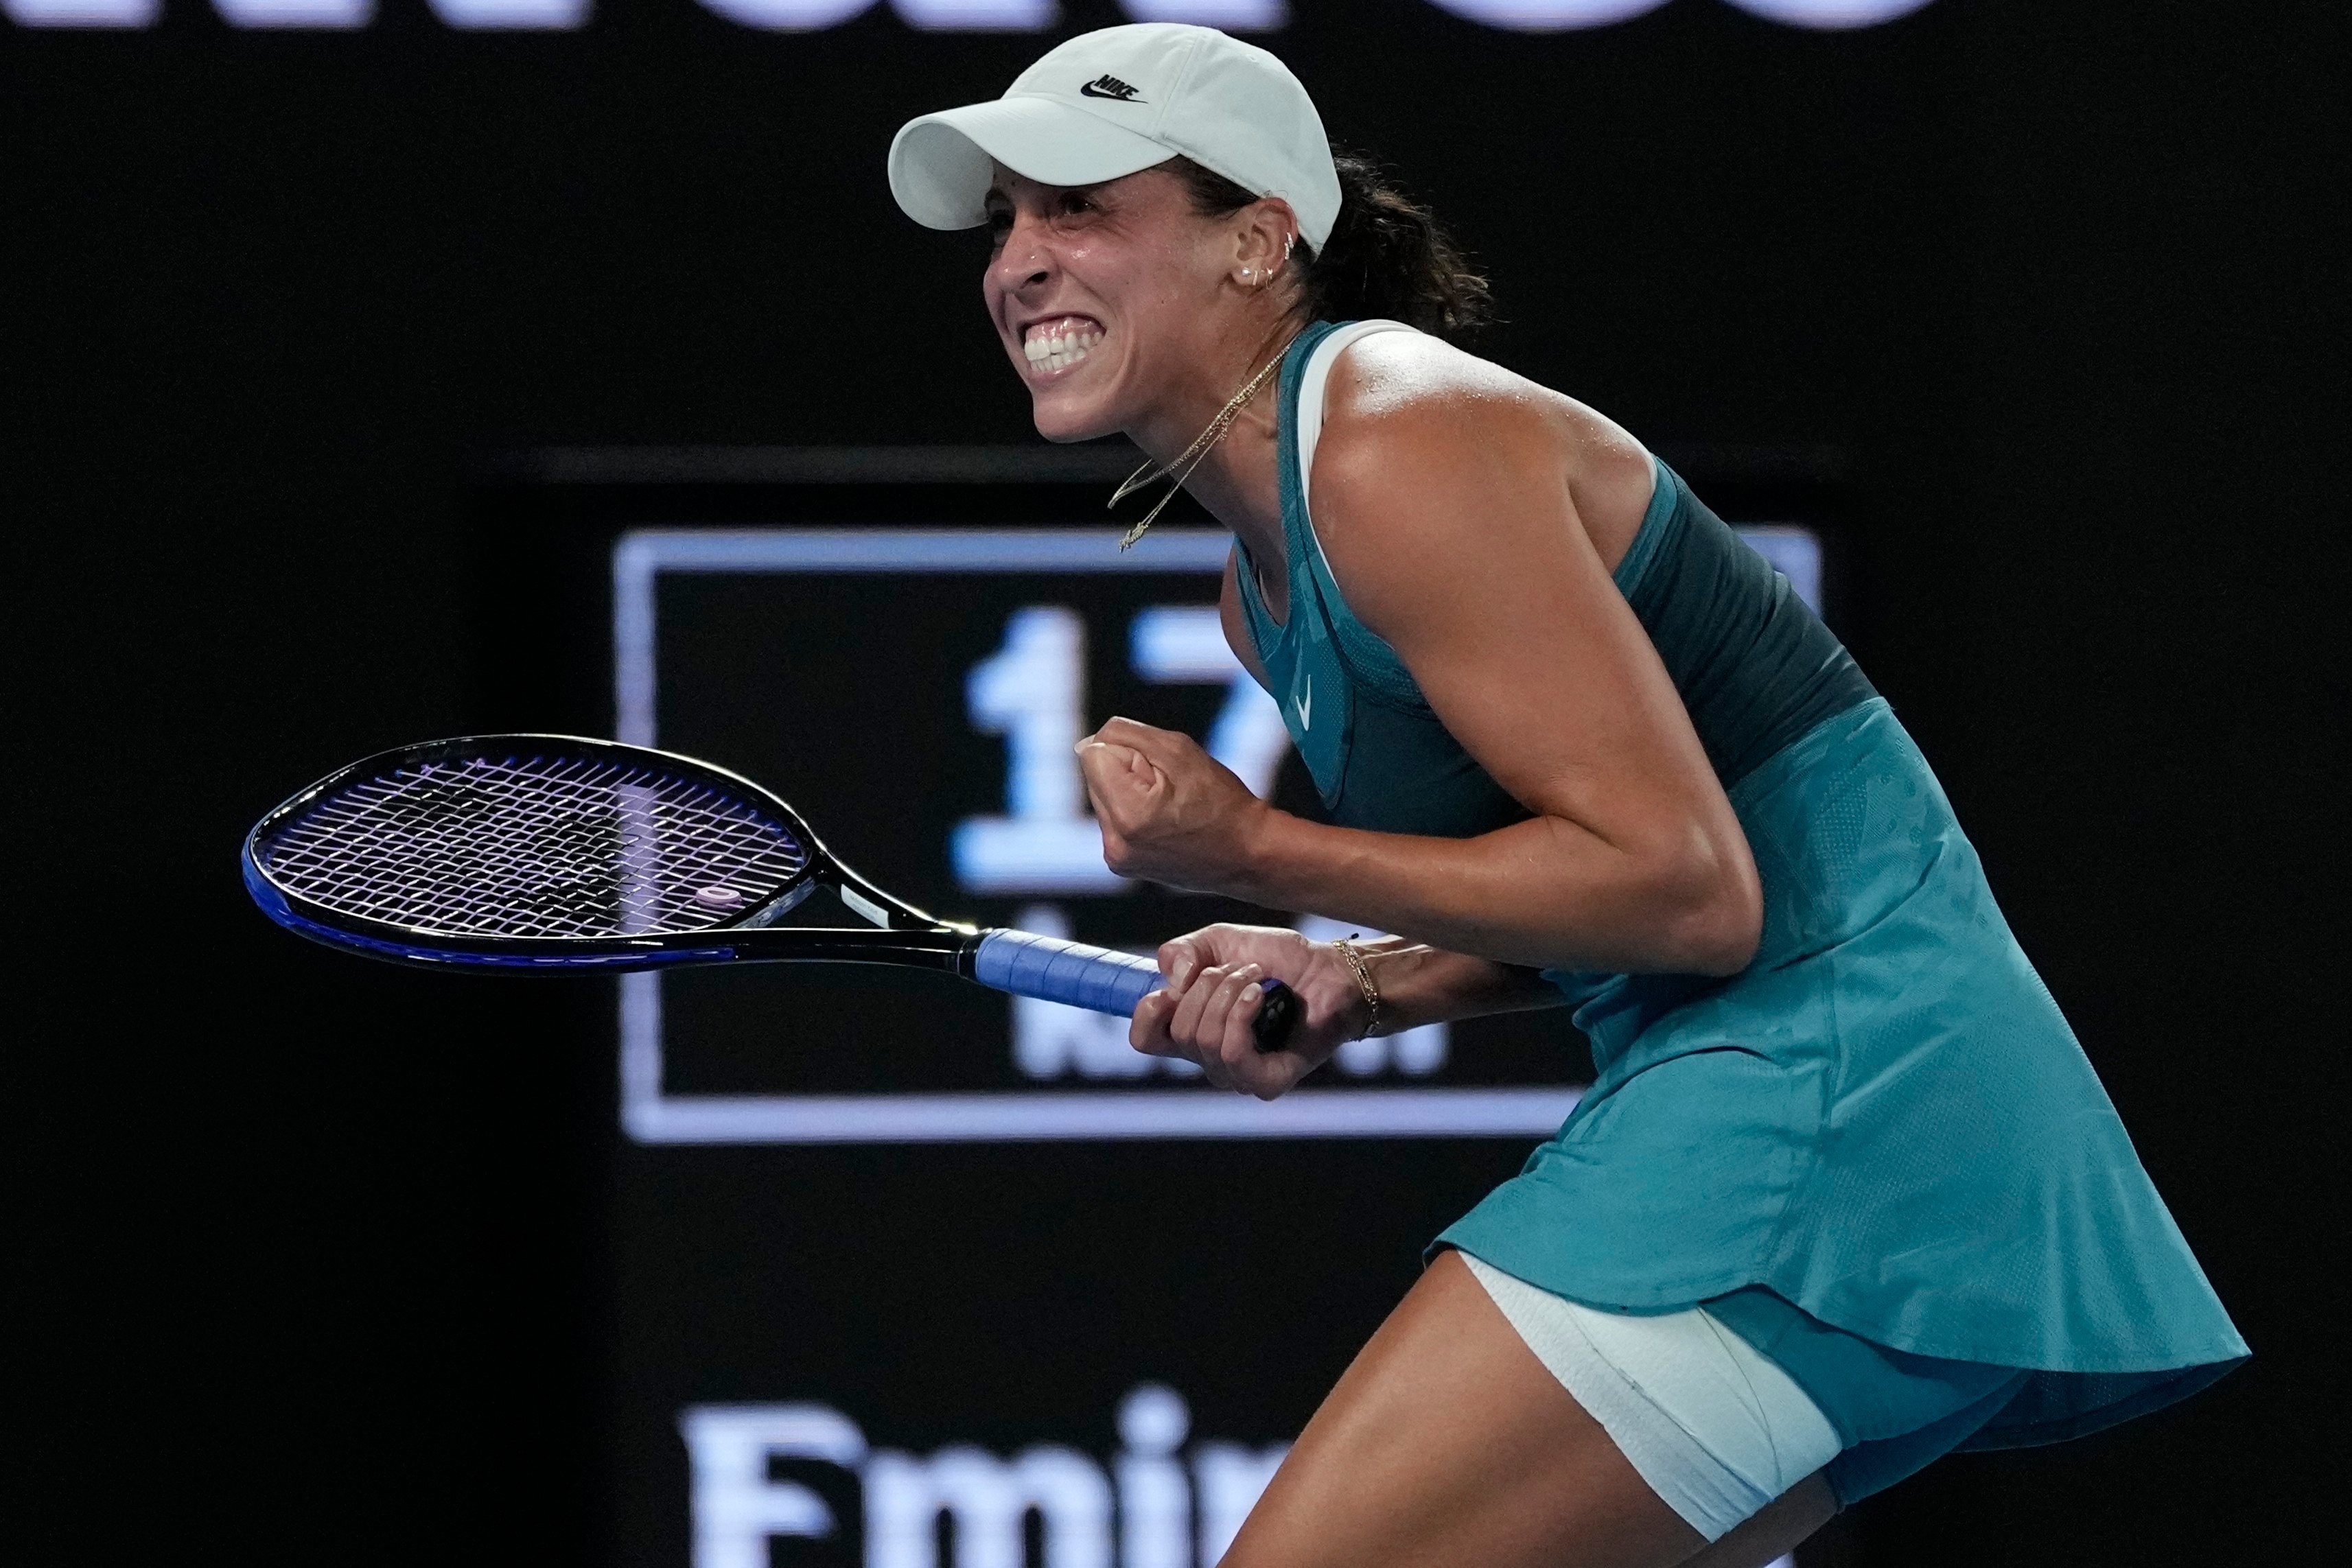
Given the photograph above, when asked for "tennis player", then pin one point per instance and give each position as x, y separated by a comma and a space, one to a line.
1844, 1195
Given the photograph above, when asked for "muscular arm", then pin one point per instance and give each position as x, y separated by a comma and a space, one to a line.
1442, 498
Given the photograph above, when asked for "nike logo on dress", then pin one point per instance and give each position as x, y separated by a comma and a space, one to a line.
1306, 706
1112, 88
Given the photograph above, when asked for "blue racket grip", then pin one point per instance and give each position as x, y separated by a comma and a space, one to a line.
1102, 981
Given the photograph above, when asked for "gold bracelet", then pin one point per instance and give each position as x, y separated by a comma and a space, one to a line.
1345, 948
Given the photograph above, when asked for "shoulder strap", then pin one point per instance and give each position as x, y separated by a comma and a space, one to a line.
1371, 662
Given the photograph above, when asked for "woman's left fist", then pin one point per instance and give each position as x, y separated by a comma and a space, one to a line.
1170, 811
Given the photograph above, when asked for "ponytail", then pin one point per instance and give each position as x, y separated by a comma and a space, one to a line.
1387, 255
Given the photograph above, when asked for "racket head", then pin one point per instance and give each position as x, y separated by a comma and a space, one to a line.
531, 852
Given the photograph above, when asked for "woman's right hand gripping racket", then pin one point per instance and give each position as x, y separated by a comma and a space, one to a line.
545, 854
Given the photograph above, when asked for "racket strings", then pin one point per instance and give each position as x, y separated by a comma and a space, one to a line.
537, 846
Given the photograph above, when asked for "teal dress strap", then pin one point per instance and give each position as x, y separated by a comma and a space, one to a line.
1299, 655
1633, 569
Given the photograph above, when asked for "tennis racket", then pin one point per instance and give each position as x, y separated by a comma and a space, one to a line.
549, 854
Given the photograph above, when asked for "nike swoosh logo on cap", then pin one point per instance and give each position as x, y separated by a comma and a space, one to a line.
1111, 87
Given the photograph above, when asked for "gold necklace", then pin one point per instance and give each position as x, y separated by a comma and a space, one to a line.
1176, 473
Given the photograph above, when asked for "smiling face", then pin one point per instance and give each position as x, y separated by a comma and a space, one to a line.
1120, 304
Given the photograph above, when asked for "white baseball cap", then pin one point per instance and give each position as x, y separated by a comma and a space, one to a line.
1111, 102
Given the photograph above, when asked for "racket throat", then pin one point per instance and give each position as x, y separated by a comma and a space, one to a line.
946, 950
860, 905
870, 903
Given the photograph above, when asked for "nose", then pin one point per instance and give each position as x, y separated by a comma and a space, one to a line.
1025, 260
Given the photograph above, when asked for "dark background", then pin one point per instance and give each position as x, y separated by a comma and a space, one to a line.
313, 1251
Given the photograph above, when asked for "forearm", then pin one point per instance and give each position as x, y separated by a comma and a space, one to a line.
1419, 984
1542, 894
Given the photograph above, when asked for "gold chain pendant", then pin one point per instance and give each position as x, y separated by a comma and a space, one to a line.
1192, 456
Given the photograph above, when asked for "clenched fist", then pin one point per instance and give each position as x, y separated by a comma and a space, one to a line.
1168, 810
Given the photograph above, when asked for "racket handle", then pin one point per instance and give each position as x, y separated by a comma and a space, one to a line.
1100, 980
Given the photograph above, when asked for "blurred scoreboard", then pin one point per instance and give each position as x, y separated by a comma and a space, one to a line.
905, 1272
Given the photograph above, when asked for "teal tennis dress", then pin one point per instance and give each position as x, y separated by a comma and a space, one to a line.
1877, 1154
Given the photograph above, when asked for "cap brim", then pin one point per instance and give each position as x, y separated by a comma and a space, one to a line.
940, 165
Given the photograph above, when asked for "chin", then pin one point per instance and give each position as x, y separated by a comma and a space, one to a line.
1067, 419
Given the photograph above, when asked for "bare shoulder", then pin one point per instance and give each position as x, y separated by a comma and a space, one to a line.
1388, 371
1429, 453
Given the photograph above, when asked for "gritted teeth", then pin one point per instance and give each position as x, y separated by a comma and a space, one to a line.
1058, 344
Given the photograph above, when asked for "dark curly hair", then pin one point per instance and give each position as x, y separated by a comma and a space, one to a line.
1387, 255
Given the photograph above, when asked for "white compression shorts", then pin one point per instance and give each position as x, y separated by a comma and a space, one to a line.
1716, 1428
